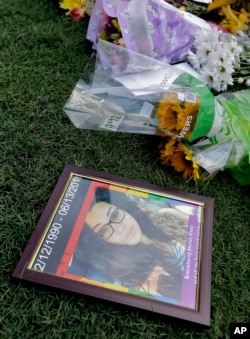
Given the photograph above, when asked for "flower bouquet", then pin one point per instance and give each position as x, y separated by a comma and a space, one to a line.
153, 75
228, 149
201, 133
158, 30
169, 34
145, 96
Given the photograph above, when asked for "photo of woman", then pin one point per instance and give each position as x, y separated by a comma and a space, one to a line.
134, 242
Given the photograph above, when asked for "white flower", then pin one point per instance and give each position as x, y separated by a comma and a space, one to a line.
234, 48
209, 76
212, 61
194, 61
216, 56
221, 56
225, 72
222, 86
203, 51
208, 37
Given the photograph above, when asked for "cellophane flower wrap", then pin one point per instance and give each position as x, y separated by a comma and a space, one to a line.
230, 147
151, 27
137, 94
134, 93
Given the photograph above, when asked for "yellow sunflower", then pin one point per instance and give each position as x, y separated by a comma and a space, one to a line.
174, 114
166, 117
167, 150
187, 114
182, 161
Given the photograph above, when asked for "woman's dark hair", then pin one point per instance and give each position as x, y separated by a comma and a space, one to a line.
121, 201
126, 265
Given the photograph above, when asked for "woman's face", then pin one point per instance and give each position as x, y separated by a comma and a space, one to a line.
113, 224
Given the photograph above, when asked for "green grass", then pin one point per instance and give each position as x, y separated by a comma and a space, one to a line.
42, 56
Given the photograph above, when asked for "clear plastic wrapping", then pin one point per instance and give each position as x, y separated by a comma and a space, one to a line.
137, 94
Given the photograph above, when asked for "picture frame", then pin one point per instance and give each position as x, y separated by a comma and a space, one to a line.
124, 241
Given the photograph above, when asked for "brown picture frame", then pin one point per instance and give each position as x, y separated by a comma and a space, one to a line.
49, 257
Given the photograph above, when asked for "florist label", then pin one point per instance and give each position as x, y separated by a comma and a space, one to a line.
112, 122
